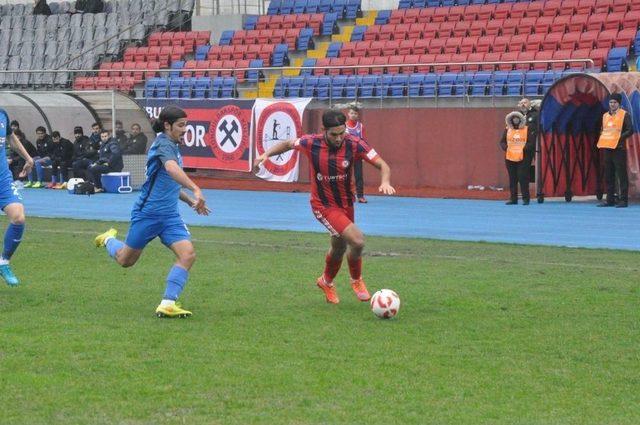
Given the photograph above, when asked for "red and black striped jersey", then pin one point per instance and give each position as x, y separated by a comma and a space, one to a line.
330, 169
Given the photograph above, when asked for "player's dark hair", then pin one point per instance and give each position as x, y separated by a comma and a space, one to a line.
95, 124
170, 115
41, 129
333, 118
77, 130
14, 123
104, 130
55, 134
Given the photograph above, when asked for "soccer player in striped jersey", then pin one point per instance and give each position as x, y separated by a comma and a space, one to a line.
155, 213
332, 155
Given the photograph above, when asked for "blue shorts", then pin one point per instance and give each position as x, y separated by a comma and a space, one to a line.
9, 193
144, 229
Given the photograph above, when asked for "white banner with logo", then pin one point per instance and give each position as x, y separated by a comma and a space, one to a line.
273, 122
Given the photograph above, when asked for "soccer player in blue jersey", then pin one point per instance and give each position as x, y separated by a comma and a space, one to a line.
10, 199
155, 213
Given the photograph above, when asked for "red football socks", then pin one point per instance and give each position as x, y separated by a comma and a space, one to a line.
331, 268
355, 267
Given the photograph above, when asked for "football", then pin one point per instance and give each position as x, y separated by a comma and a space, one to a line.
385, 303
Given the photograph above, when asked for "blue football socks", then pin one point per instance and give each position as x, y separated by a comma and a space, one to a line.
113, 246
176, 280
12, 238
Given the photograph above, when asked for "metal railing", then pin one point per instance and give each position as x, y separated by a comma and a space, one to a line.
135, 78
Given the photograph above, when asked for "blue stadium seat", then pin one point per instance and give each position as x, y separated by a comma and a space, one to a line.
228, 87
352, 85
414, 88
419, 3
617, 60
384, 85
448, 3
176, 68
281, 87
175, 84
498, 83
202, 52
338, 7
274, 7
432, 3
398, 85
201, 89
325, 6
329, 25
309, 87
368, 86
216, 87
462, 84
383, 17
429, 85
404, 4
253, 75
186, 87
353, 9
150, 87
464, 2
334, 49
478, 2
310, 63
533, 83
161, 88
479, 84
322, 90
299, 6
250, 22
358, 32
286, 7
312, 6
305, 39
295, 87
515, 81
548, 79
225, 37
280, 56
446, 83
337, 86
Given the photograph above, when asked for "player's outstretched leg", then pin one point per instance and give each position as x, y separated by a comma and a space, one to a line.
176, 281
12, 239
355, 239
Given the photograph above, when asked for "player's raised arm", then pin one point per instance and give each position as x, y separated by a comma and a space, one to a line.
277, 149
176, 173
385, 176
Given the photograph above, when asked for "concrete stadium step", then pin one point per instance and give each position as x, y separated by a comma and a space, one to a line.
320, 51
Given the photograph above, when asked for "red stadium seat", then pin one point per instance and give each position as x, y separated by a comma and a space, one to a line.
603, 6
105, 67
390, 47
289, 21
154, 39
458, 58
348, 49
560, 55
215, 66
525, 58
291, 38
395, 60
362, 62
379, 60
166, 38
631, 20
485, 43
501, 43
436, 46
544, 55
551, 8
128, 68
478, 28
494, 27
408, 60
451, 44
406, 47
214, 52
386, 32
569, 40
400, 32
442, 59
588, 39
560, 24
625, 38
375, 48
517, 42
440, 14
471, 12
552, 41
253, 52
397, 16
226, 52
189, 67
116, 69
429, 30
543, 24
534, 42
490, 57
461, 29
518, 10
534, 9
606, 38
486, 11
426, 14
425, 61
578, 23
445, 29
620, 6
415, 31
240, 52
508, 57
567, 8
421, 46
502, 10
456, 13
474, 57
468, 44
585, 7
411, 16
599, 57
596, 22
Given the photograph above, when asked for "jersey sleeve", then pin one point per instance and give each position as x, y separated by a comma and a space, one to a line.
166, 152
366, 152
303, 144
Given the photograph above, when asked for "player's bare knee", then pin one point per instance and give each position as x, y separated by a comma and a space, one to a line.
357, 242
187, 259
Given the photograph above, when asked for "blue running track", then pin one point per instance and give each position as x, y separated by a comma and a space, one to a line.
575, 224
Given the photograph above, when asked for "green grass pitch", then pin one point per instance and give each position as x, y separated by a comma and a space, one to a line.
487, 334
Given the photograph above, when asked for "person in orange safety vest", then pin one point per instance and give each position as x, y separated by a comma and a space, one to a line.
518, 142
616, 128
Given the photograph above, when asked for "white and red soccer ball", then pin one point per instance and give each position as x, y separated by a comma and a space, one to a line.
385, 303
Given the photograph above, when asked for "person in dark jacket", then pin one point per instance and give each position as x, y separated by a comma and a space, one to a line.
90, 6
109, 160
16, 162
137, 142
44, 148
41, 8
85, 153
120, 135
518, 142
60, 161
616, 128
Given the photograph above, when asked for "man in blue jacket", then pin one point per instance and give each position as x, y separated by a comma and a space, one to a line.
109, 160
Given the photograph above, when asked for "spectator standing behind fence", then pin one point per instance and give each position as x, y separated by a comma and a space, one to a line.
616, 128
518, 142
44, 148
355, 128
41, 8
61, 158
137, 142
85, 152
109, 160
16, 162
